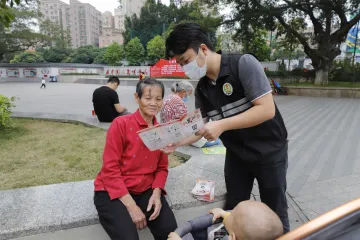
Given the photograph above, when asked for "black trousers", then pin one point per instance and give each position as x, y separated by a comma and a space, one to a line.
116, 220
43, 85
271, 177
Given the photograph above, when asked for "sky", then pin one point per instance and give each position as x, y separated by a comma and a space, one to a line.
110, 5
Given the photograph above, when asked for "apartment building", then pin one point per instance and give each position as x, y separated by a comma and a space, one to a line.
109, 36
108, 20
82, 20
127, 8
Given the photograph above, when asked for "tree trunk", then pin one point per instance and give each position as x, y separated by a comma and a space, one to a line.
322, 76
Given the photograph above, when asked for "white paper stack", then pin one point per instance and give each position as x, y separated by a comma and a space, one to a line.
204, 190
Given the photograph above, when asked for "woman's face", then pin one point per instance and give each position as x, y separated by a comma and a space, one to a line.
151, 100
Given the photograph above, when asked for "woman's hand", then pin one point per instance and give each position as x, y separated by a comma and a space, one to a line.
137, 216
156, 202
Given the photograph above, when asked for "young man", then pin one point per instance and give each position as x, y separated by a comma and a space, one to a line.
234, 92
106, 101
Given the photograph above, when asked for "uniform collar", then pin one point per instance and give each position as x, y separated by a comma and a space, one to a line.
141, 120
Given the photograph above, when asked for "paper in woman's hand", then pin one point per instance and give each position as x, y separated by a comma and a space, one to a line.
160, 136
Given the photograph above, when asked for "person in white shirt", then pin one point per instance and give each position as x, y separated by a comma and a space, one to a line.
43, 82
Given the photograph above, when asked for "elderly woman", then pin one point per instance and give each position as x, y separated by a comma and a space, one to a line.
129, 189
174, 107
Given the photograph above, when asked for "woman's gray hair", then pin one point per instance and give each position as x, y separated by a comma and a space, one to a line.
182, 85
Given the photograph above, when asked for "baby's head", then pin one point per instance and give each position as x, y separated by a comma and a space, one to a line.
252, 220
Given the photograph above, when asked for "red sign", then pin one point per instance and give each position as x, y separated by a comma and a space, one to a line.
167, 68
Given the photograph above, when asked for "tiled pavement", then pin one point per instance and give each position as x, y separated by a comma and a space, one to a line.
324, 138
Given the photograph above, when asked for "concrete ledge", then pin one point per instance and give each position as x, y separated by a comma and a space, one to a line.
324, 92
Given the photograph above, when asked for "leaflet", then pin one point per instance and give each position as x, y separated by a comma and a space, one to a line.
161, 135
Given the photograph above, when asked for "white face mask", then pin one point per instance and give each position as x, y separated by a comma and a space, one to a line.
193, 71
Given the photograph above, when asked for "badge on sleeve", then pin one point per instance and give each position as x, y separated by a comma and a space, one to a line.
227, 89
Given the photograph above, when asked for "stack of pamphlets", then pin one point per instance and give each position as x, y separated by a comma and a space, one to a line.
204, 190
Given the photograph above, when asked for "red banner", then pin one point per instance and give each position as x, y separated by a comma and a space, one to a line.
167, 68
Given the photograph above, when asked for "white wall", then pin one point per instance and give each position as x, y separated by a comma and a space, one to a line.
127, 71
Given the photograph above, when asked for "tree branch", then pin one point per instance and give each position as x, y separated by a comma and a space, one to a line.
302, 40
340, 12
339, 34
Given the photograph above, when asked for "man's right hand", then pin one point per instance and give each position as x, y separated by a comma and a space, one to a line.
137, 216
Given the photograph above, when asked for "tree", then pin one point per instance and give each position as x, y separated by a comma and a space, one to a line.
135, 52
20, 35
100, 57
6, 15
328, 18
28, 57
59, 37
156, 48
83, 54
158, 19
288, 42
258, 45
54, 54
114, 54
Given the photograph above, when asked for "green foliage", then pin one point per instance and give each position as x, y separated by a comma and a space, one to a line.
114, 54
83, 54
6, 104
54, 54
158, 19
6, 15
20, 36
258, 46
58, 37
344, 71
329, 20
156, 48
100, 57
135, 52
28, 57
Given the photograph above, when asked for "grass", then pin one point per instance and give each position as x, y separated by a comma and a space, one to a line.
37, 152
331, 84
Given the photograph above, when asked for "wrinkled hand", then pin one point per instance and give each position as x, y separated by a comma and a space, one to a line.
211, 131
156, 202
137, 216
218, 213
174, 236
169, 149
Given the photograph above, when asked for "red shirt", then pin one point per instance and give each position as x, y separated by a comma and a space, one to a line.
128, 165
173, 108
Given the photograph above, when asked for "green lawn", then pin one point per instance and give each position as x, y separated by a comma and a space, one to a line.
38, 152
331, 84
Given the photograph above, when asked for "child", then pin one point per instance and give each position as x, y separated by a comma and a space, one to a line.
43, 82
250, 220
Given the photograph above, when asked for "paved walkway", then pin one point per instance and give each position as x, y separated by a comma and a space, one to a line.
324, 138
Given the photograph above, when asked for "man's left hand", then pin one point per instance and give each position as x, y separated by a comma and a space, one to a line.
156, 202
212, 130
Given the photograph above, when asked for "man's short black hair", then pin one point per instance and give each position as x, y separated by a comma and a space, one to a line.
185, 36
114, 79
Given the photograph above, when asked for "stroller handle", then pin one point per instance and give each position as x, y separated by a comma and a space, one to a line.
197, 224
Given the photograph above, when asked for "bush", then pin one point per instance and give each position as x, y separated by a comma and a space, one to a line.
6, 104
344, 71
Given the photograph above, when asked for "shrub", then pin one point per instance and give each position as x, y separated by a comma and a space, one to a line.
6, 104
344, 71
